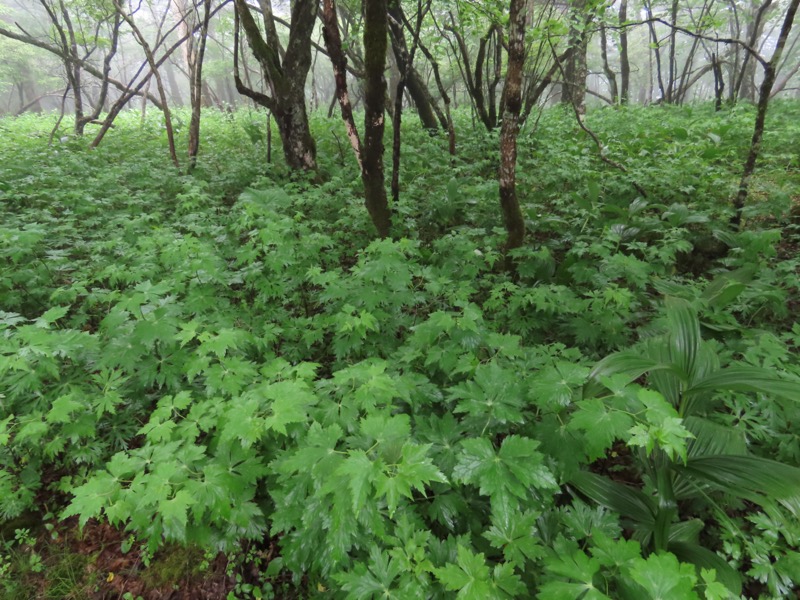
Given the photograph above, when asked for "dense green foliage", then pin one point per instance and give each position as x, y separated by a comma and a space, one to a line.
226, 356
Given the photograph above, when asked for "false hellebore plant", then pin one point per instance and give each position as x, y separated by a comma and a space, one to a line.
686, 459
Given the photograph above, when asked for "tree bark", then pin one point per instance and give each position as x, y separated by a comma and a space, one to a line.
424, 102
285, 73
761, 115
375, 45
610, 75
509, 203
624, 62
196, 85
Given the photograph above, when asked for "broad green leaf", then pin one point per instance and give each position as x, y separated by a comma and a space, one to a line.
742, 378
704, 559
509, 472
51, 316
173, 514
470, 577
664, 578
620, 498
360, 473
684, 335
759, 480
514, 532
601, 425
91, 497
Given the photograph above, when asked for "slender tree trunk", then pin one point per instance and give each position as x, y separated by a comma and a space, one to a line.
719, 82
761, 115
333, 43
610, 75
424, 102
624, 62
159, 83
509, 204
196, 85
745, 83
576, 69
672, 47
375, 45
654, 48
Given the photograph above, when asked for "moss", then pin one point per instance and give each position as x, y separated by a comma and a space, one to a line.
172, 565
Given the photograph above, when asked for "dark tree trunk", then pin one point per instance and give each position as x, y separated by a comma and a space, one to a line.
576, 68
285, 73
745, 82
333, 43
509, 204
426, 105
763, 104
196, 85
375, 45
719, 82
624, 62
610, 75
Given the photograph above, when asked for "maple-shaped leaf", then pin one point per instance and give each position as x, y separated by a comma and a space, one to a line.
514, 532
173, 514
663, 427
242, 421
511, 471
414, 471
377, 580
493, 393
361, 474
664, 578
290, 402
555, 386
601, 424
614, 553
91, 497
470, 577
575, 566
62, 409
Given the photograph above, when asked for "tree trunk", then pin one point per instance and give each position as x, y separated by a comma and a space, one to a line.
576, 70
624, 62
761, 115
509, 204
196, 85
745, 82
375, 45
285, 73
610, 75
424, 102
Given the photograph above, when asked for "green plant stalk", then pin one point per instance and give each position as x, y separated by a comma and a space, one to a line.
667, 508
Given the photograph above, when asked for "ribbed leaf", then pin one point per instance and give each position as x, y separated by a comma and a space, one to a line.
686, 531
712, 438
684, 335
705, 559
627, 362
620, 498
759, 480
742, 378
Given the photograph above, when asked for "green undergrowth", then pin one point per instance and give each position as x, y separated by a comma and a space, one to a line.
230, 357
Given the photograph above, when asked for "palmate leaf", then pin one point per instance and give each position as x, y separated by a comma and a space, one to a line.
759, 480
504, 474
706, 559
620, 498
